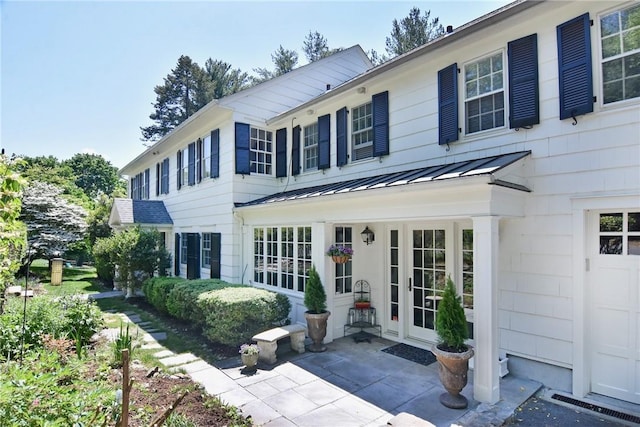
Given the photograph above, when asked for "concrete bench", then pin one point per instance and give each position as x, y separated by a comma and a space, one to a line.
268, 341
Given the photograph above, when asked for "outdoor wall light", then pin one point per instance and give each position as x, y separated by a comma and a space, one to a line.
367, 235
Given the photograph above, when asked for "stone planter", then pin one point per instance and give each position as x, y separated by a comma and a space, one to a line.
250, 361
452, 369
317, 329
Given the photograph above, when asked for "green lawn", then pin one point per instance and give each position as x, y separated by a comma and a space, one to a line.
75, 280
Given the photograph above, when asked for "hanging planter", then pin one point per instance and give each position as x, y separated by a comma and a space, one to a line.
340, 254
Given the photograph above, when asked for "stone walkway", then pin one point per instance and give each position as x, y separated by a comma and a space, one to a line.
348, 385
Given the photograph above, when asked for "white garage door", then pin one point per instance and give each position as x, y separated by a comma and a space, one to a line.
615, 304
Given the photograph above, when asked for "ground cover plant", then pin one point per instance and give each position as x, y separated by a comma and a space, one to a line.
63, 380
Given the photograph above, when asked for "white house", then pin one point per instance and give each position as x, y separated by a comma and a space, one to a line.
505, 154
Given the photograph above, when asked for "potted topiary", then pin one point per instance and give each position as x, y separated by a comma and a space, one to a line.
317, 314
452, 353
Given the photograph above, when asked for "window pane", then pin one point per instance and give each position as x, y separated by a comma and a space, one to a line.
610, 47
634, 221
611, 245
610, 24
611, 222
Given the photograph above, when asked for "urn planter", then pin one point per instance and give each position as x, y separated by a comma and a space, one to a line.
452, 369
250, 361
317, 329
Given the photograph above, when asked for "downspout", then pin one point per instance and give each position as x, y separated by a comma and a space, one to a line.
240, 218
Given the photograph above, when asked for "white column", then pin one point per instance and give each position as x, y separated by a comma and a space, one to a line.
486, 374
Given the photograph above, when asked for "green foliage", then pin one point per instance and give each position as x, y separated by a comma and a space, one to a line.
315, 299
93, 174
137, 252
58, 318
12, 231
156, 290
451, 323
315, 47
284, 60
124, 341
235, 314
228, 313
49, 391
181, 301
412, 31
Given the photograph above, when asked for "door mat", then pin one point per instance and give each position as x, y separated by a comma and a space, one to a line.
414, 354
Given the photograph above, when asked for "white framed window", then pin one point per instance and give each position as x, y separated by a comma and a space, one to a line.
184, 167
282, 256
620, 49
311, 147
261, 155
206, 250
183, 248
344, 272
619, 233
205, 166
164, 176
362, 132
484, 93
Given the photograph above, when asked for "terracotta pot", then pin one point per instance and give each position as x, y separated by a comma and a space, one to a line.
363, 304
453, 368
317, 329
340, 259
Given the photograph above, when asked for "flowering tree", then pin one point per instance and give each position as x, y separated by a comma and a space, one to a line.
12, 231
53, 223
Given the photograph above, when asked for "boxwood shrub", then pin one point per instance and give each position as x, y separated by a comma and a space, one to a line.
233, 315
182, 299
156, 291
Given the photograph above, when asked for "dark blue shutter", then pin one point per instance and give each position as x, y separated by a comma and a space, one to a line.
215, 153
131, 184
324, 139
524, 94
341, 136
448, 104
295, 151
157, 179
242, 149
199, 165
380, 109
176, 255
192, 163
574, 67
179, 171
216, 246
281, 152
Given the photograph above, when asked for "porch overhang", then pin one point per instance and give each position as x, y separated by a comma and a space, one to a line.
483, 186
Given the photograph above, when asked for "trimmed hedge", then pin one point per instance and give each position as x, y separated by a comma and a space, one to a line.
227, 313
156, 291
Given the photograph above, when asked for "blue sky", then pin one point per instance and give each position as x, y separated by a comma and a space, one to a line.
78, 76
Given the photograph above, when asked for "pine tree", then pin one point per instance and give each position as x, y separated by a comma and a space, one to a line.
412, 31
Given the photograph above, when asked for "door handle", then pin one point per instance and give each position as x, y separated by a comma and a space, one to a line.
409, 284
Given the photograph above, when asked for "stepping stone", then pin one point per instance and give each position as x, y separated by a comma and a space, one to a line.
180, 359
158, 336
151, 346
164, 353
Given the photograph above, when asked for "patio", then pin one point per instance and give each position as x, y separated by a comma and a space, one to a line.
352, 384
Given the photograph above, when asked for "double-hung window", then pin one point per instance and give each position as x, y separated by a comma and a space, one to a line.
484, 94
362, 132
183, 248
261, 155
206, 250
205, 164
184, 167
164, 176
620, 43
311, 147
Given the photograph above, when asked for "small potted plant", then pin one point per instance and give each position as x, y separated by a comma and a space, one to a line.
315, 299
340, 253
249, 354
452, 353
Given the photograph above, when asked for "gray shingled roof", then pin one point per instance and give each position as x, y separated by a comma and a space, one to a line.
484, 166
142, 211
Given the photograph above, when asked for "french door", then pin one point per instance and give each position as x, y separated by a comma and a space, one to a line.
431, 259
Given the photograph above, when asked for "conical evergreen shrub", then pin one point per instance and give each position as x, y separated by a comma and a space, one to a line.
315, 298
451, 323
